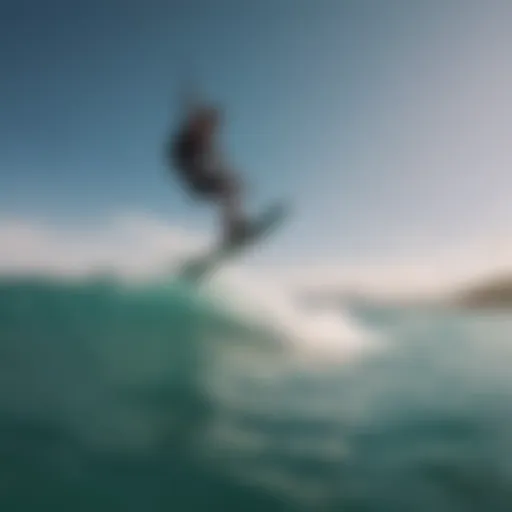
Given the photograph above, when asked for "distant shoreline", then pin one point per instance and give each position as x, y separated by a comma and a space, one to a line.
494, 294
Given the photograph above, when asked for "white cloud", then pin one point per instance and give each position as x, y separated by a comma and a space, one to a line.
138, 245
127, 245
424, 272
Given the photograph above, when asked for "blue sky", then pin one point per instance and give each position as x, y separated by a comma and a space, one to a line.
386, 123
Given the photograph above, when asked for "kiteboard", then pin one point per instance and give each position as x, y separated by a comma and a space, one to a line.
259, 227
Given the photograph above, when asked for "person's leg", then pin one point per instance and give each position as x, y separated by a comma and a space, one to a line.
232, 214
222, 187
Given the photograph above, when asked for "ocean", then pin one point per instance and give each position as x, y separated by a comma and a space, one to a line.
161, 397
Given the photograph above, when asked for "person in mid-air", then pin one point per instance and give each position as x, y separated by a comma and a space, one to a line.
193, 151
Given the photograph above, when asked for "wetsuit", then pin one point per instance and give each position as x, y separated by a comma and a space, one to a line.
198, 166
192, 155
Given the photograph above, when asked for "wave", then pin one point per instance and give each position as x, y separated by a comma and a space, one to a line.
97, 372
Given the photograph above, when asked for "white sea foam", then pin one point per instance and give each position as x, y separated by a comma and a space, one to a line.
327, 334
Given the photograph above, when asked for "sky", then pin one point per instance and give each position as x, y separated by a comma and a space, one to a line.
386, 125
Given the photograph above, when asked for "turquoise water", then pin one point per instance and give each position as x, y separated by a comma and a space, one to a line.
155, 398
